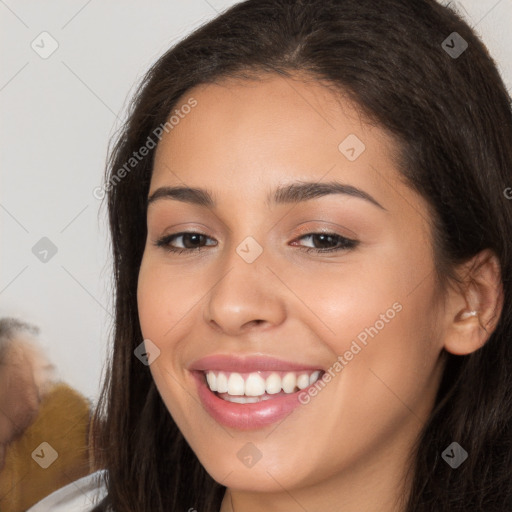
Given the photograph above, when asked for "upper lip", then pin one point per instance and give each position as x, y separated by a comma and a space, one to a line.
247, 364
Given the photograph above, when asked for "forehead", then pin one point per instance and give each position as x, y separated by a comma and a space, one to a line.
268, 127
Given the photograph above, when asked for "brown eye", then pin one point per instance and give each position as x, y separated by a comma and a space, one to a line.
191, 241
333, 241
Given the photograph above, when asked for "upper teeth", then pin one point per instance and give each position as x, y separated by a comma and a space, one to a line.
257, 383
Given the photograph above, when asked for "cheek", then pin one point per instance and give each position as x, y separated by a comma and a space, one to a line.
166, 306
347, 302
378, 318
163, 298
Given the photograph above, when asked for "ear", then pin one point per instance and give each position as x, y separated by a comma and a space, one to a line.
474, 305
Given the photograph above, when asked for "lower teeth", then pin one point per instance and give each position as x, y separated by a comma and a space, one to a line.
244, 399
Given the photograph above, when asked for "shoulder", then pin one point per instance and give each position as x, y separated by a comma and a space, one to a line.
79, 496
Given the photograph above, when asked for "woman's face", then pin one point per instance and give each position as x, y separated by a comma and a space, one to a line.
365, 314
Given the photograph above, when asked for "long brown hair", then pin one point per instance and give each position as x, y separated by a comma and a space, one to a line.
451, 119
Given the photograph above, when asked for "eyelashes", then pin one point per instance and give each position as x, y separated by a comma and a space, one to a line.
165, 241
341, 243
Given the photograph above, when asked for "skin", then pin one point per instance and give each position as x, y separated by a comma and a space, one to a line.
350, 444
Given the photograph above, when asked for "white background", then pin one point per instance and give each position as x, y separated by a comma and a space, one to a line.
58, 115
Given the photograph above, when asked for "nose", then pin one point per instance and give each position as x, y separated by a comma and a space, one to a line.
246, 295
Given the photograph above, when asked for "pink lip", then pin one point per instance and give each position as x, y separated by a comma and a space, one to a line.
245, 416
247, 364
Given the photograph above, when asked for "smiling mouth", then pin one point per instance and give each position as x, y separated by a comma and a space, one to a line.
245, 388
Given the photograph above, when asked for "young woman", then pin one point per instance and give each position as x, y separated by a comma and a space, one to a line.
312, 234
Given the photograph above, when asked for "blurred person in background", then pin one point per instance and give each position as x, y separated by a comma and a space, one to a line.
36, 408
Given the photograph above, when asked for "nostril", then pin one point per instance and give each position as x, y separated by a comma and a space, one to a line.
255, 322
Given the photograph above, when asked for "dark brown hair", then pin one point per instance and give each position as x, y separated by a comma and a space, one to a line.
451, 120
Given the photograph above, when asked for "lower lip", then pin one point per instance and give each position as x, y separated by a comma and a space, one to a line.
246, 416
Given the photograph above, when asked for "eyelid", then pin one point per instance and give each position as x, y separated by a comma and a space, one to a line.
324, 228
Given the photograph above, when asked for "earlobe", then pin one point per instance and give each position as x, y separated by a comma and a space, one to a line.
474, 310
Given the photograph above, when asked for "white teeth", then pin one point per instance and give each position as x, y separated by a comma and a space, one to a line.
303, 381
236, 384
246, 399
314, 377
212, 381
273, 384
222, 383
289, 381
254, 385
242, 399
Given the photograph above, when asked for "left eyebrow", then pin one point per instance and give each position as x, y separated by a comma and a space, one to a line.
304, 191
292, 193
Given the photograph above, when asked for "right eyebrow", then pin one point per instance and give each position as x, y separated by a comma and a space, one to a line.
192, 195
